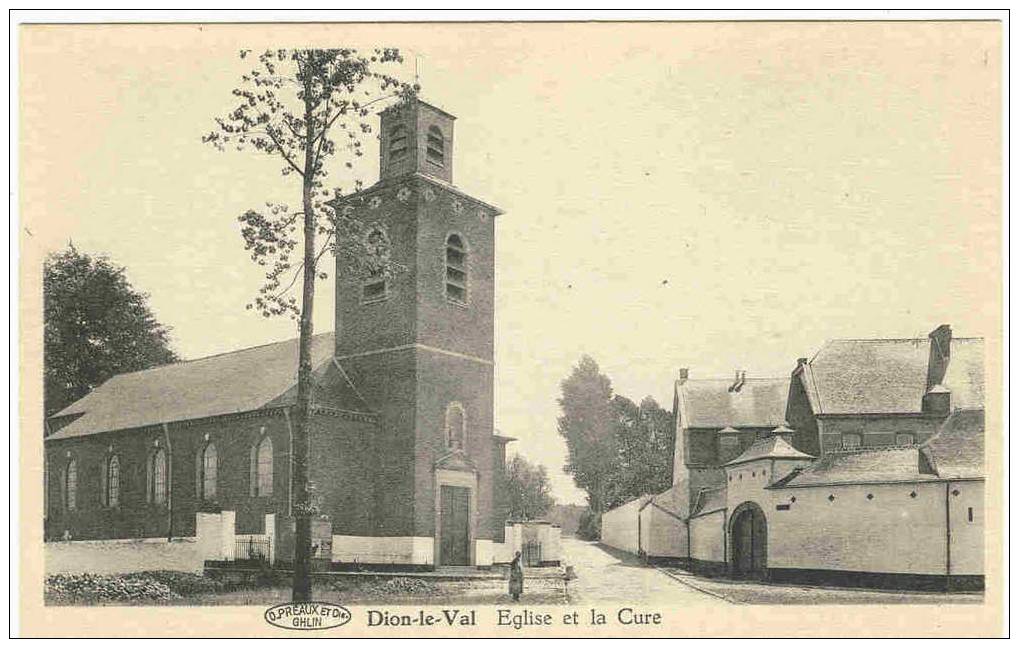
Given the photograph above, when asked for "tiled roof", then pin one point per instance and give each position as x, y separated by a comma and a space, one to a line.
870, 376
867, 376
708, 500
957, 449
245, 380
965, 374
772, 447
709, 403
871, 465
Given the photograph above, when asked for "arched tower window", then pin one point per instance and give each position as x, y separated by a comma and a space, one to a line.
156, 490
456, 426
397, 143
261, 468
456, 269
111, 487
207, 474
375, 286
435, 151
71, 485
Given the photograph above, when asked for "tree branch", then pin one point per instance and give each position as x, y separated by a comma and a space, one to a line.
283, 152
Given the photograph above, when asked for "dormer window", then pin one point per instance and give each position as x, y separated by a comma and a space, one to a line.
456, 269
435, 151
397, 144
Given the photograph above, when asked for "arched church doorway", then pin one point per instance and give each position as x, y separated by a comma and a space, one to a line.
748, 534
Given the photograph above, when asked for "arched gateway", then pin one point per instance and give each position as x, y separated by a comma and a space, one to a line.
748, 539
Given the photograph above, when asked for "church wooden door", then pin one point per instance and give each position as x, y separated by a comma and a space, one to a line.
455, 530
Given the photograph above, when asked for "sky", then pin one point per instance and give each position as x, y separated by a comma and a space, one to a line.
715, 196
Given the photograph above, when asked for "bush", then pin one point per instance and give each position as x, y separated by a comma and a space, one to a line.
182, 582
388, 587
94, 588
589, 528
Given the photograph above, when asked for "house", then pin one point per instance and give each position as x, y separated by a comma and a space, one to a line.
872, 476
716, 420
405, 464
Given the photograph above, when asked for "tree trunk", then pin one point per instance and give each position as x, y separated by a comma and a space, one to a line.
302, 415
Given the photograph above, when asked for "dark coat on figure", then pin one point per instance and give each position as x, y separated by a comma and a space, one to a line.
516, 579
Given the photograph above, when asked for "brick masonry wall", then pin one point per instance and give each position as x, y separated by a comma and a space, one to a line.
342, 471
441, 380
410, 387
134, 516
388, 382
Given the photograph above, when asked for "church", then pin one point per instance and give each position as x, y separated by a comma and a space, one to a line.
405, 464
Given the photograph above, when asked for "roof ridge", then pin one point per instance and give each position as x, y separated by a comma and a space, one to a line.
731, 379
219, 354
916, 339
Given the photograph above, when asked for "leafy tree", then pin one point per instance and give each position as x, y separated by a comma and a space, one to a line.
96, 325
617, 450
293, 106
644, 434
528, 489
587, 424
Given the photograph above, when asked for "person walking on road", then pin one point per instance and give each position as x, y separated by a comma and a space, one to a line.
516, 578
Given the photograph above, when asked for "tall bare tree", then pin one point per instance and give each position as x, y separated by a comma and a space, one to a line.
307, 108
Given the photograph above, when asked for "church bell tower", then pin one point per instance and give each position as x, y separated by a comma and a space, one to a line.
419, 346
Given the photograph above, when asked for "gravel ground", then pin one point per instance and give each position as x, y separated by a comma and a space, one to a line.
761, 593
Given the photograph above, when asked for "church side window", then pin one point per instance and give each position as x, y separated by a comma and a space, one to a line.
435, 151
157, 477
71, 485
456, 269
375, 287
209, 463
112, 484
261, 471
456, 426
397, 144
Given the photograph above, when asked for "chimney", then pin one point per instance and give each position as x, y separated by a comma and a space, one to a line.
742, 380
937, 401
940, 352
684, 374
735, 382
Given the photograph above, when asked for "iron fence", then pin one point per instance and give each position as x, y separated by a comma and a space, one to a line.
532, 554
252, 548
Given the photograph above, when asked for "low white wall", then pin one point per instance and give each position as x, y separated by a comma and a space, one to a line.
661, 534
552, 549
707, 537
891, 532
123, 556
619, 526
383, 550
967, 534
503, 552
483, 552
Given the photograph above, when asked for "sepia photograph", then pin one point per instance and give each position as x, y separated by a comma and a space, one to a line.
501, 329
